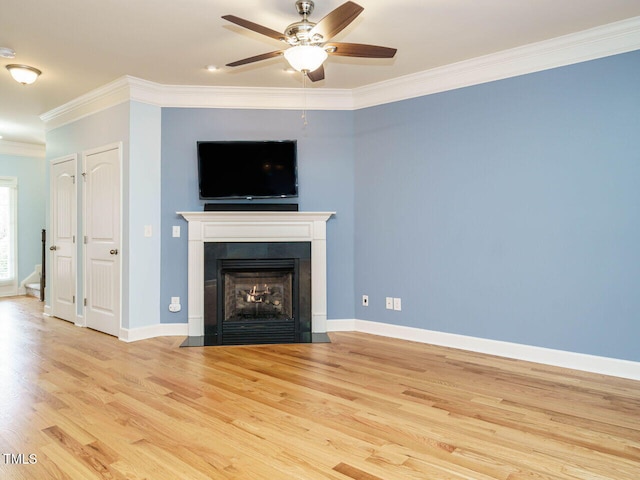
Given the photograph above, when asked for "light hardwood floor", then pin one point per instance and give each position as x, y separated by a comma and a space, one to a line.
89, 406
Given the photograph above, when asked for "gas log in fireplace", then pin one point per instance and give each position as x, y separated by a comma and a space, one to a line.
257, 293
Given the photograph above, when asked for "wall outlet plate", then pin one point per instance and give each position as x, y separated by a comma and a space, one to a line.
175, 307
389, 303
365, 300
397, 304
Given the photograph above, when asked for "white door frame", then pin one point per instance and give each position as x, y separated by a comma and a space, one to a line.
85, 154
53, 225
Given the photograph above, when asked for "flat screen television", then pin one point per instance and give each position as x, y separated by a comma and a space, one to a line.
247, 169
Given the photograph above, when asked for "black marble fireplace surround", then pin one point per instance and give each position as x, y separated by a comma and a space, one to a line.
257, 293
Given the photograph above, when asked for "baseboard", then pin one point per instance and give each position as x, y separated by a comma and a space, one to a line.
559, 358
151, 331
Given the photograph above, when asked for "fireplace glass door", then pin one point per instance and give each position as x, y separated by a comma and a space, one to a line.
258, 301
259, 295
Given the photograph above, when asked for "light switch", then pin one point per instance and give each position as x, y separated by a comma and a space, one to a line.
148, 231
176, 231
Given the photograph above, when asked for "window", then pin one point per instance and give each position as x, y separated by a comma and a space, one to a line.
8, 235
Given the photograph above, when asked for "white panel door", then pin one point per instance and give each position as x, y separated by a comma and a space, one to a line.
102, 239
62, 281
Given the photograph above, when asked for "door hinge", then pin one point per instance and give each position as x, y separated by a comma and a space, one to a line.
85, 302
74, 239
85, 240
73, 178
73, 300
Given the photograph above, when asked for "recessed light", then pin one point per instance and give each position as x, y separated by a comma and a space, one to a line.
211, 68
6, 52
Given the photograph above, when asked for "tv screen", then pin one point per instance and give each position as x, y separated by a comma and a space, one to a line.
247, 169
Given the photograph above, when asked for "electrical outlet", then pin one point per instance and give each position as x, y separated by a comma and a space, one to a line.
365, 300
175, 305
389, 303
397, 304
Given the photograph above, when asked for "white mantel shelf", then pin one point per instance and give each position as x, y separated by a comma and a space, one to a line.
256, 226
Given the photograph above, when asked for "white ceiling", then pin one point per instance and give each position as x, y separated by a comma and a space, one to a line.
83, 44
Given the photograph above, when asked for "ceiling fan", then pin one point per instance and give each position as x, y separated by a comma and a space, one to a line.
309, 44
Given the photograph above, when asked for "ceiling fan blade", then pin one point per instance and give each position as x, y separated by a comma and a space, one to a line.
254, 27
359, 50
336, 20
317, 74
257, 58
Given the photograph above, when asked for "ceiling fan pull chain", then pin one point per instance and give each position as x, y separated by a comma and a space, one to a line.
304, 98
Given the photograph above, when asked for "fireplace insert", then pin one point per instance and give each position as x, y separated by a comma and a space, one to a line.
257, 293
258, 301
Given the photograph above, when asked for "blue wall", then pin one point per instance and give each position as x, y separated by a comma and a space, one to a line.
509, 210
31, 208
325, 177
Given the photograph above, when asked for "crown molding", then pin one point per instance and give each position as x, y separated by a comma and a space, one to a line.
19, 149
599, 42
185, 96
107, 96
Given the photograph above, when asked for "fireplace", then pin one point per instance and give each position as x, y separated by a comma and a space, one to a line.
257, 292
220, 235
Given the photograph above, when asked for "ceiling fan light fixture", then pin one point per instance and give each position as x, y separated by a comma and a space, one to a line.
305, 57
24, 74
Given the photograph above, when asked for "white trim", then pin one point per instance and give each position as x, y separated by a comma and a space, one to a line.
47, 311
152, 331
107, 96
196, 96
577, 361
598, 42
19, 149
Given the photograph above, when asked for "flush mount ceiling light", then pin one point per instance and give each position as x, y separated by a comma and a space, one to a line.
23, 74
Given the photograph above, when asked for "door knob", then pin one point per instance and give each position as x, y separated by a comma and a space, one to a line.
114, 251
53, 248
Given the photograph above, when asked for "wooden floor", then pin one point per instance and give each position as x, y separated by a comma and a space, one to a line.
78, 404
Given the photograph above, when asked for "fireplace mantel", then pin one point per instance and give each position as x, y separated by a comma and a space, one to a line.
257, 227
